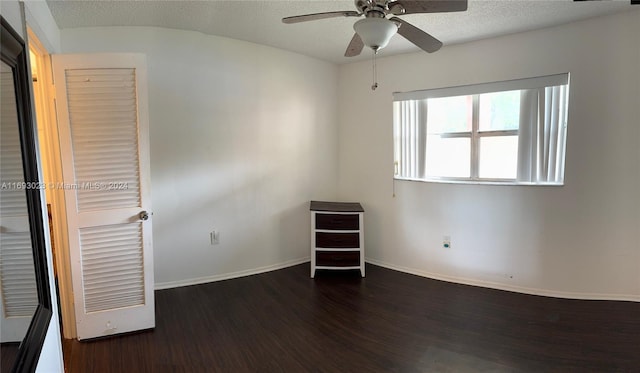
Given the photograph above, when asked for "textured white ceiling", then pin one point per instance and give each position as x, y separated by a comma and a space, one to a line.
259, 21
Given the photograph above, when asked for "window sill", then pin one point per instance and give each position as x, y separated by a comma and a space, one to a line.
478, 182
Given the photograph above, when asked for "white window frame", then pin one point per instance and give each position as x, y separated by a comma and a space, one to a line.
531, 171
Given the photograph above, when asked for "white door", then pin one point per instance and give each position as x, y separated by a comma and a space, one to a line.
101, 102
18, 292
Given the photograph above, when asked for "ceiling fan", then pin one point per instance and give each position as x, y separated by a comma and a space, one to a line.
375, 30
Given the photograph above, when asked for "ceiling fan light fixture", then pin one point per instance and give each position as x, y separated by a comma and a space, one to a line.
375, 32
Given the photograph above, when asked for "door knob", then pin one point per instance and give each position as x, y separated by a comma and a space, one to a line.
144, 215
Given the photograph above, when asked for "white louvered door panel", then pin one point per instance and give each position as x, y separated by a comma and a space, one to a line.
113, 272
17, 277
102, 107
102, 117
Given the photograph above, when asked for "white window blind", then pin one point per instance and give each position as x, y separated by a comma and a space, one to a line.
410, 133
532, 151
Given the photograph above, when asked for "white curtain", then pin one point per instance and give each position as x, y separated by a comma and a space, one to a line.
542, 135
410, 130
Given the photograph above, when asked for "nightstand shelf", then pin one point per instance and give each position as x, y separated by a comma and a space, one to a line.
337, 236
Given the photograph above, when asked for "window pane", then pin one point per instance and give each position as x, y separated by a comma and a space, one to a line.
449, 114
499, 111
448, 157
498, 157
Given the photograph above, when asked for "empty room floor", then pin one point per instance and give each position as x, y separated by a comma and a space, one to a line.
284, 321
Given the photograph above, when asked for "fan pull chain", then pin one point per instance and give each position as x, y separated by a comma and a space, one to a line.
375, 71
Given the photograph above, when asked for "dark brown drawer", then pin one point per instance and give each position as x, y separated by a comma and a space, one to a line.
338, 258
338, 240
338, 222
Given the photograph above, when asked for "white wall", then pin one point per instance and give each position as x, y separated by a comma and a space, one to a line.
41, 21
242, 137
10, 10
580, 240
50, 360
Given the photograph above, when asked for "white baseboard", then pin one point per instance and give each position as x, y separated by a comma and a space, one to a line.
227, 276
413, 271
517, 289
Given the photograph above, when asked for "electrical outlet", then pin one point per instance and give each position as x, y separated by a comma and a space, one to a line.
446, 242
215, 237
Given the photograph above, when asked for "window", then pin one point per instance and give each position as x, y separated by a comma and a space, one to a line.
503, 132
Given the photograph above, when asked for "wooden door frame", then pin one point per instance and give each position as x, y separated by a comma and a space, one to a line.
44, 97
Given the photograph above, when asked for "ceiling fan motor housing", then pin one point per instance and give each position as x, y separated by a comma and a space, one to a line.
379, 8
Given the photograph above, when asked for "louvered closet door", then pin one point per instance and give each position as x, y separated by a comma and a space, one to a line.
103, 127
19, 297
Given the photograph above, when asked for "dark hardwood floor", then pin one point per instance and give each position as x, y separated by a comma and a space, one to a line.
284, 321
8, 355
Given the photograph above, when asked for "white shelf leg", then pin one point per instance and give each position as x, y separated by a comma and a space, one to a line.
361, 222
313, 244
